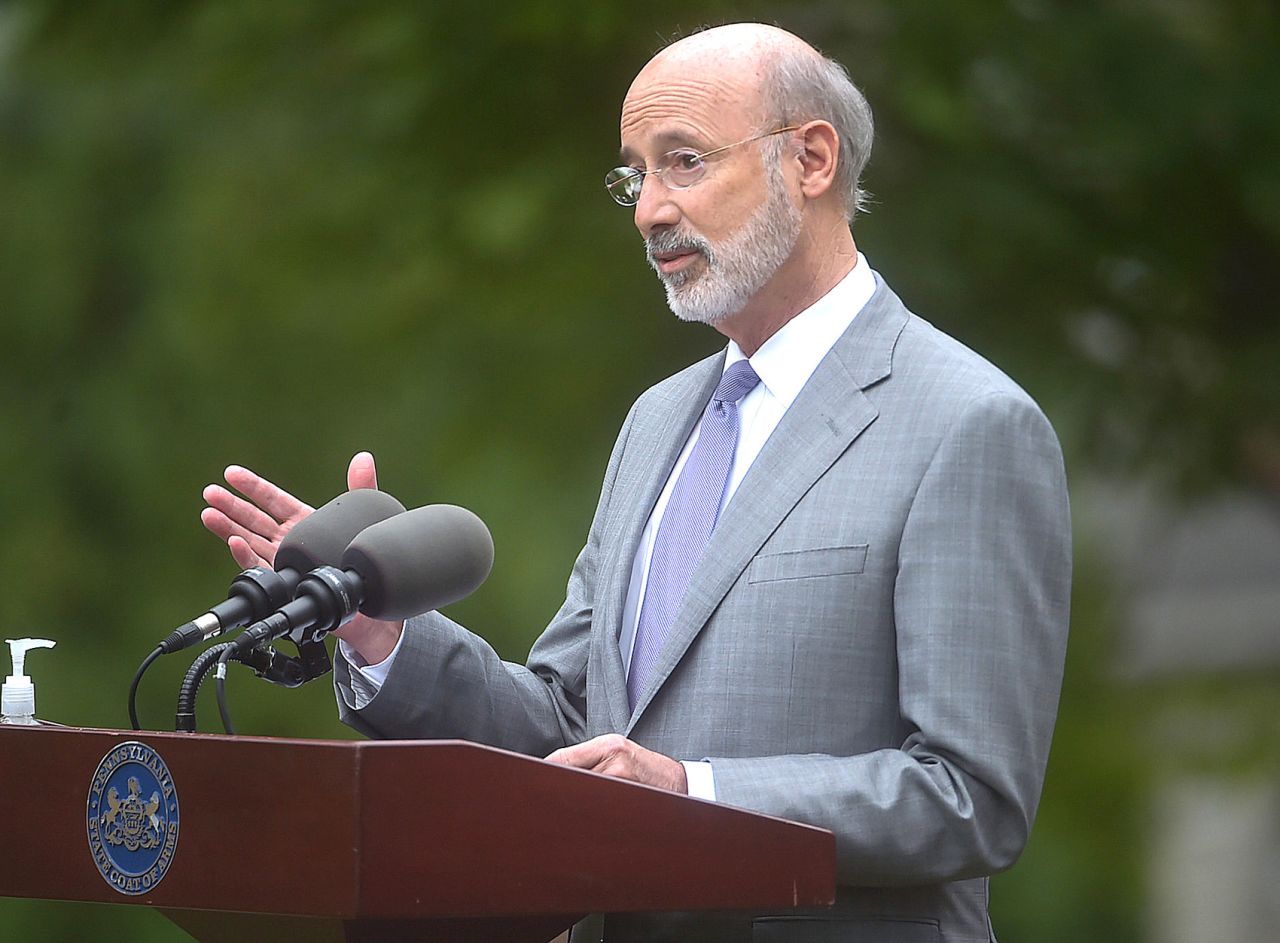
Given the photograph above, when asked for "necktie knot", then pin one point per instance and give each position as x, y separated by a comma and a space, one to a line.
737, 382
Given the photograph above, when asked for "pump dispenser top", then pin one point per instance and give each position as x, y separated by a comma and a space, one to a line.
18, 694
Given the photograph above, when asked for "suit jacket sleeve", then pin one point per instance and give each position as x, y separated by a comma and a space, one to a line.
980, 608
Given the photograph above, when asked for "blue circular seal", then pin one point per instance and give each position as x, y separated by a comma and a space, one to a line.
132, 818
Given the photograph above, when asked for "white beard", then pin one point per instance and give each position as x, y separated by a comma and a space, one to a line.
736, 269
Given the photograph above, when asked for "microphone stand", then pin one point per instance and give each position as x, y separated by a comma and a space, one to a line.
267, 663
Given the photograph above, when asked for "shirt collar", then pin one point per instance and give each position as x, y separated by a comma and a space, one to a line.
786, 360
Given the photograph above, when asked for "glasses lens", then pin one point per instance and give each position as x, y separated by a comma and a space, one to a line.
682, 169
623, 184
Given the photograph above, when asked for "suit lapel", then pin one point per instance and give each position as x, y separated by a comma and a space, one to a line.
657, 435
829, 414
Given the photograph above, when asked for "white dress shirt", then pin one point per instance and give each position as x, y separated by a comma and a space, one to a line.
784, 364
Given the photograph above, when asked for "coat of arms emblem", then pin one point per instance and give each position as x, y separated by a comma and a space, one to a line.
132, 818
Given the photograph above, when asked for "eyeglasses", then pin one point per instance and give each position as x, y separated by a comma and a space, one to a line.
680, 169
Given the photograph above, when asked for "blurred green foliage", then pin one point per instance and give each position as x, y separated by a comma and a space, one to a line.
277, 233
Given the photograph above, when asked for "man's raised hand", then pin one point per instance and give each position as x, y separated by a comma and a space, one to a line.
253, 525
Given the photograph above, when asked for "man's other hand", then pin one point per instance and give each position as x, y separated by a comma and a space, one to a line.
615, 755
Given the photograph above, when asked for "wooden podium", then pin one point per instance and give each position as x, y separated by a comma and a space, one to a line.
395, 840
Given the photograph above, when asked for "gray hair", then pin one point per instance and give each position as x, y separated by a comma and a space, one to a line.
799, 87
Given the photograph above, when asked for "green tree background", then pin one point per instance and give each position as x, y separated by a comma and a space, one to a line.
276, 233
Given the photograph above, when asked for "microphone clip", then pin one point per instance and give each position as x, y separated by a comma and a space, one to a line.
271, 664
313, 658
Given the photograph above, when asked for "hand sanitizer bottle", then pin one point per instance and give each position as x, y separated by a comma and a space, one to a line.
18, 694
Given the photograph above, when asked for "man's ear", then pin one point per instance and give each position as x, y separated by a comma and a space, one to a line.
819, 155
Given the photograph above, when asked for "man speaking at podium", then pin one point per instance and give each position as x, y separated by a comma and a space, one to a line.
828, 574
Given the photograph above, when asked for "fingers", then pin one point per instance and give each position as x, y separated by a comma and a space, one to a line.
590, 754
253, 525
260, 522
264, 495
362, 473
244, 515
243, 554
615, 755
243, 544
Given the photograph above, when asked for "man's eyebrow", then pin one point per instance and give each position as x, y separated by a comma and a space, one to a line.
664, 141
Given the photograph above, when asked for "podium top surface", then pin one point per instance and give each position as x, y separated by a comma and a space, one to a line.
387, 829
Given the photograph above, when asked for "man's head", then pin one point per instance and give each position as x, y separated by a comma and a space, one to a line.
769, 140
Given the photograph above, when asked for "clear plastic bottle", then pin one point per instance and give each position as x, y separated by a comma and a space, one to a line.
18, 694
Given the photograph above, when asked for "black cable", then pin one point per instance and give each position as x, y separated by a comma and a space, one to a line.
220, 682
133, 688
185, 718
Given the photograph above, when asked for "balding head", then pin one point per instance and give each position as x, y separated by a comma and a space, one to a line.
737, 43
739, 57
775, 79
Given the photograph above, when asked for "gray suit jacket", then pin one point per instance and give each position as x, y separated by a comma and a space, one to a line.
873, 641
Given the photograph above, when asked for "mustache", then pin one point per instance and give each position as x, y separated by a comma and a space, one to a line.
670, 240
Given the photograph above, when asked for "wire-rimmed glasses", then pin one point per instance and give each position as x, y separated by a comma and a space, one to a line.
679, 169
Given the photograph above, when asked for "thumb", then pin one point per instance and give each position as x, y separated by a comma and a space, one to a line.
362, 473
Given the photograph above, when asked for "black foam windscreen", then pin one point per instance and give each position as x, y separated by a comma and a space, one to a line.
320, 538
420, 560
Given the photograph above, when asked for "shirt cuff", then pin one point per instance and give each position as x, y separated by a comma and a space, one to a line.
701, 781
366, 679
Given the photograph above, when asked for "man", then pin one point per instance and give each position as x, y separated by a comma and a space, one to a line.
828, 574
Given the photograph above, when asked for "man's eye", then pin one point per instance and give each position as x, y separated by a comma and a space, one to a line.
688, 162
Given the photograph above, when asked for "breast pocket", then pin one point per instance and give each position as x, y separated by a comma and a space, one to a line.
803, 564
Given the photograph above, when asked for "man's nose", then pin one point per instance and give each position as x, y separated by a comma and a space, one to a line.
655, 208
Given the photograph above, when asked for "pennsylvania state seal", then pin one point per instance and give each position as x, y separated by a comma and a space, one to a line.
132, 818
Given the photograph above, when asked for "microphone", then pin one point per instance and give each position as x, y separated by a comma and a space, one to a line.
317, 540
403, 566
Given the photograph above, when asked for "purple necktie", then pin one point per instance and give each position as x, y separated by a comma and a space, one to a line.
687, 523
